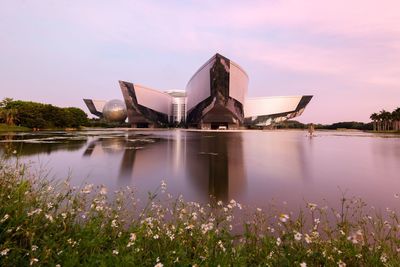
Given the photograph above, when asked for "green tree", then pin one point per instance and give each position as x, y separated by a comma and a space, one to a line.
374, 117
396, 119
38, 115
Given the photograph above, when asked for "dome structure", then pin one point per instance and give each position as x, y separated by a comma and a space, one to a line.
115, 111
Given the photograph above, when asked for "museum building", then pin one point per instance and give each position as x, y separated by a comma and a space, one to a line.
215, 98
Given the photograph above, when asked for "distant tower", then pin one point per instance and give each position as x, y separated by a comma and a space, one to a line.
178, 106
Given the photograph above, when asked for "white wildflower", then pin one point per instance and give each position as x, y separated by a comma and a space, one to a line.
297, 236
383, 258
87, 189
159, 264
36, 211
34, 260
103, 191
5, 218
278, 241
132, 237
341, 263
114, 223
115, 252
163, 186
283, 217
156, 236
307, 238
49, 217
206, 227
34, 247
357, 237
221, 245
4, 252
259, 210
58, 265
311, 206
99, 208
303, 264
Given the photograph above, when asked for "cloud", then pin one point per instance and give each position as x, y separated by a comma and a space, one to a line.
369, 30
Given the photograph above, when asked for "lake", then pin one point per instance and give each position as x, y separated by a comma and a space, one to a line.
253, 167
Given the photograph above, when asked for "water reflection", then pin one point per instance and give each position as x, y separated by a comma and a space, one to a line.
31, 144
251, 167
213, 164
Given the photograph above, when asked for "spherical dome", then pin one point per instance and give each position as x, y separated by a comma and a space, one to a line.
115, 111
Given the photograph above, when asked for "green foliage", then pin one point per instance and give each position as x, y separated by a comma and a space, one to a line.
38, 115
355, 125
44, 223
386, 121
12, 128
94, 122
291, 124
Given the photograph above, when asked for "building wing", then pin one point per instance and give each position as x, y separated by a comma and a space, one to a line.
95, 106
263, 111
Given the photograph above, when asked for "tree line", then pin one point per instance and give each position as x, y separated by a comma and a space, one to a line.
354, 125
41, 116
386, 121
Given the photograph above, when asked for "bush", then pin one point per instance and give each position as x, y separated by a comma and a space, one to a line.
38, 115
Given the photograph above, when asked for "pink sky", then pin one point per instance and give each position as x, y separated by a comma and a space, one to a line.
345, 53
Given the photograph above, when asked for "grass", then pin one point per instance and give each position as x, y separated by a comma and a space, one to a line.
12, 128
55, 224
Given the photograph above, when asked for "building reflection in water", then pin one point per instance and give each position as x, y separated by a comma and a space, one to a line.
215, 164
211, 163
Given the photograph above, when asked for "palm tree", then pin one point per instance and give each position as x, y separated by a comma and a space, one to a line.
9, 116
374, 117
5, 102
396, 119
385, 118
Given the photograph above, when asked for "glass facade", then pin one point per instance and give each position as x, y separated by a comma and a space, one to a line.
178, 110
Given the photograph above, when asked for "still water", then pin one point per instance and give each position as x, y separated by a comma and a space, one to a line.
252, 167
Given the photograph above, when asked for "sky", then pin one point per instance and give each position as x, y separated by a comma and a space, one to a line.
344, 53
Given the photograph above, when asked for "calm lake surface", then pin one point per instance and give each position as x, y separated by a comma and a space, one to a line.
252, 167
